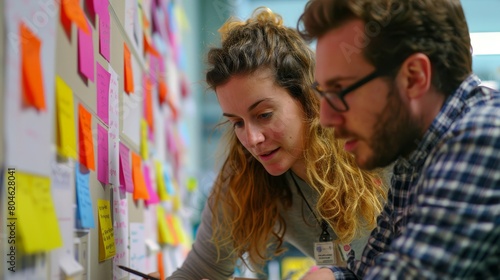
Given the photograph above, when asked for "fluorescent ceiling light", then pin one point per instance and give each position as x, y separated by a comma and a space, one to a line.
485, 43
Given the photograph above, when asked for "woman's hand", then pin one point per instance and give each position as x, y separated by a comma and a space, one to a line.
154, 274
319, 274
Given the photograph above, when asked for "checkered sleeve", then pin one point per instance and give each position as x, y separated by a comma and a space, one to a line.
454, 227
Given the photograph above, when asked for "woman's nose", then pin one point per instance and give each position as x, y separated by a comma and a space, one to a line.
254, 135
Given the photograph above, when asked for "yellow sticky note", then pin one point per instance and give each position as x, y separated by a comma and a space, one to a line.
163, 237
180, 231
66, 135
191, 184
107, 247
160, 181
36, 221
144, 139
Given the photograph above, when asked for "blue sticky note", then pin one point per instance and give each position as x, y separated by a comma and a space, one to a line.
84, 212
168, 183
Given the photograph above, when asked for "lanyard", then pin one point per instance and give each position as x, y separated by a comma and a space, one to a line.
325, 236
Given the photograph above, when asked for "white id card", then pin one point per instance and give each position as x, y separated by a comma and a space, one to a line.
324, 253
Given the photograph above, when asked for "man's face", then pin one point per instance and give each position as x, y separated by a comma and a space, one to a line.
378, 126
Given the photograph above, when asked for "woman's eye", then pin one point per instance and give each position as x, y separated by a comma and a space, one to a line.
237, 124
265, 115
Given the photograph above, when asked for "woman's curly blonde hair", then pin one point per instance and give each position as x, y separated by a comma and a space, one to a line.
246, 201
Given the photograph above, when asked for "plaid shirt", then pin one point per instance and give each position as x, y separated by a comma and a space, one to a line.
442, 219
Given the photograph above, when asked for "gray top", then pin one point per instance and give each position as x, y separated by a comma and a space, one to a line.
302, 231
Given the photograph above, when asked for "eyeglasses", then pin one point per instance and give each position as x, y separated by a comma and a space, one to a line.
336, 99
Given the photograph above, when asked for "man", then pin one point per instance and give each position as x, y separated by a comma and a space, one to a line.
396, 83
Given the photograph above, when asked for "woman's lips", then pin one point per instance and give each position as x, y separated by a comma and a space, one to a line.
268, 156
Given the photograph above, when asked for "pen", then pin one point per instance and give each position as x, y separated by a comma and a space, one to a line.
145, 276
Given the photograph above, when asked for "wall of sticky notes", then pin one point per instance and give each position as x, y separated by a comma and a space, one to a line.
94, 171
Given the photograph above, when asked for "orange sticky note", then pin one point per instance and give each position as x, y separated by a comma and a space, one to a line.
148, 47
32, 80
173, 108
172, 233
127, 70
72, 12
162, 92
148, 103
161, 268
140, 190
145, 24
86, 142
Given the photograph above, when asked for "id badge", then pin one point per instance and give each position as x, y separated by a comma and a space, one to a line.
324, 253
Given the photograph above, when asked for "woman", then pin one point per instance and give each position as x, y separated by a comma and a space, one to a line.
285, 178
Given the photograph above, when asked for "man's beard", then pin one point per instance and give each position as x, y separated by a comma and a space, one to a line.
396, 133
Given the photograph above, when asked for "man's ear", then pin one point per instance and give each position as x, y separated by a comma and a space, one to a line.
416, 72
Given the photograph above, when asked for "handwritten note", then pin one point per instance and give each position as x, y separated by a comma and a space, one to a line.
107, 248
113, 132
25, 128
85, 215
104, 30
86, 142
32, 77
137, 247
85, 52
121, 230
102, 154
127, 70
103, 81
140, 190
63, 185
66, 135
39, 229
126, 180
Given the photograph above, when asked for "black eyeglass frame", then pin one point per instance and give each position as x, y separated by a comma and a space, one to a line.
341, 94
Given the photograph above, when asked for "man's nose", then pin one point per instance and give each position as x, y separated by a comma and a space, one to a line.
329, 117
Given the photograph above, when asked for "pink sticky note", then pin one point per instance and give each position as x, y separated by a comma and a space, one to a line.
125, 171
91, 7
154, 67
86, 53
153, 196
104, 31
103, 78
102, 155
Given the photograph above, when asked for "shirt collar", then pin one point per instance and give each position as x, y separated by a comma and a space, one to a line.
451, 109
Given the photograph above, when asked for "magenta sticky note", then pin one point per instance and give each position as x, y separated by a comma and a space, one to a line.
91, 7
102, 155
86, 54
153, 196
104, 31
125, 171
102, 86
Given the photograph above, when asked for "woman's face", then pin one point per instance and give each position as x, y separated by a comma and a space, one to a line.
268, 122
